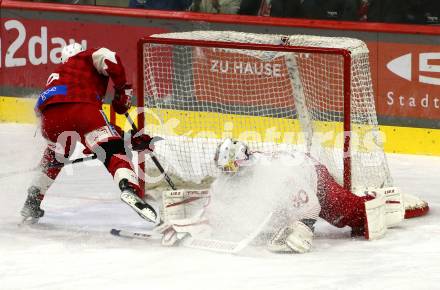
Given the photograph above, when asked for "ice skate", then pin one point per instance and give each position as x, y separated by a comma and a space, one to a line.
129, 196
31, 211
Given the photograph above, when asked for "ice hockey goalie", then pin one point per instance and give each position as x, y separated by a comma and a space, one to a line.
292, 187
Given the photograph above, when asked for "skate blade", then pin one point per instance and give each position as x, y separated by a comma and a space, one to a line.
147, 213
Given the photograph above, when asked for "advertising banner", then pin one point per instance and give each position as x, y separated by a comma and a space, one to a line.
405, 73
408, 80
31, 49
238, 78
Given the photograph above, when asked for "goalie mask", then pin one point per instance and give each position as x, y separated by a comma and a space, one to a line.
230, 154
70, 50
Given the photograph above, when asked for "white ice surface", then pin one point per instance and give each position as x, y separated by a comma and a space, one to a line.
72, 249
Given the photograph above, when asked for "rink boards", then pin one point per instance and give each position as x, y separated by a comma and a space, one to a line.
397, 139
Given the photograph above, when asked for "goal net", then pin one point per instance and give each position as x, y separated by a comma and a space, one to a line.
276, 93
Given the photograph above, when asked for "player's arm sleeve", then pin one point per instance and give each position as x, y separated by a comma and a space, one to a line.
109, 63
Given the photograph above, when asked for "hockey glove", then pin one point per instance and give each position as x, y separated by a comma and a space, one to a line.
142, 142
122, 100
296, 238
300, 240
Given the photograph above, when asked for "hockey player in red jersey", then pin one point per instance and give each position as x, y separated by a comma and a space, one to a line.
70, 111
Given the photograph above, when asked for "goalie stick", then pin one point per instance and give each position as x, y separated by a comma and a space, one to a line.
195, 243
214, 245
147, 235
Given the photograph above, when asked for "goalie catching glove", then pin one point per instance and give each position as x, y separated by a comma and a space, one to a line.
296, 238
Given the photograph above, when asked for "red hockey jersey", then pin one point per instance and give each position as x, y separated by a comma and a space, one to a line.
83, 78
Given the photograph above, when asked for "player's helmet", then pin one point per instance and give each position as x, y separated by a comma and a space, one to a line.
70, 50
230, 154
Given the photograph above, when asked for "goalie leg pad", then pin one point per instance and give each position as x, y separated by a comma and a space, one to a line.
375, 222
184, 215
394, 205
184, 204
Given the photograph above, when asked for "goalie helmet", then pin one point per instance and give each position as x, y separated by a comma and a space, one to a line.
230, 154
70, 50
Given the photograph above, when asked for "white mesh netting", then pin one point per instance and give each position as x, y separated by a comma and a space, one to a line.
274, 100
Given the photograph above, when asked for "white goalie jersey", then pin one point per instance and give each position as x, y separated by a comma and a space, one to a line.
281, 194
281, 184
274, 193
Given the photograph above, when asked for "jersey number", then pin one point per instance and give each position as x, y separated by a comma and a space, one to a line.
300, 198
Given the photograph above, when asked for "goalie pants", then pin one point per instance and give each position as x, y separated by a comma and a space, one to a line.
64, 125
339, 206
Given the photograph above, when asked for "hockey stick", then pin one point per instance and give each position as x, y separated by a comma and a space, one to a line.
78, 160
67, 162
94, 156
225, 246
90, 157
195, 243
214, 245
148, 235
152, 156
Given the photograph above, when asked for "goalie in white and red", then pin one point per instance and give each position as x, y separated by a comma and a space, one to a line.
291, 186
304, 190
